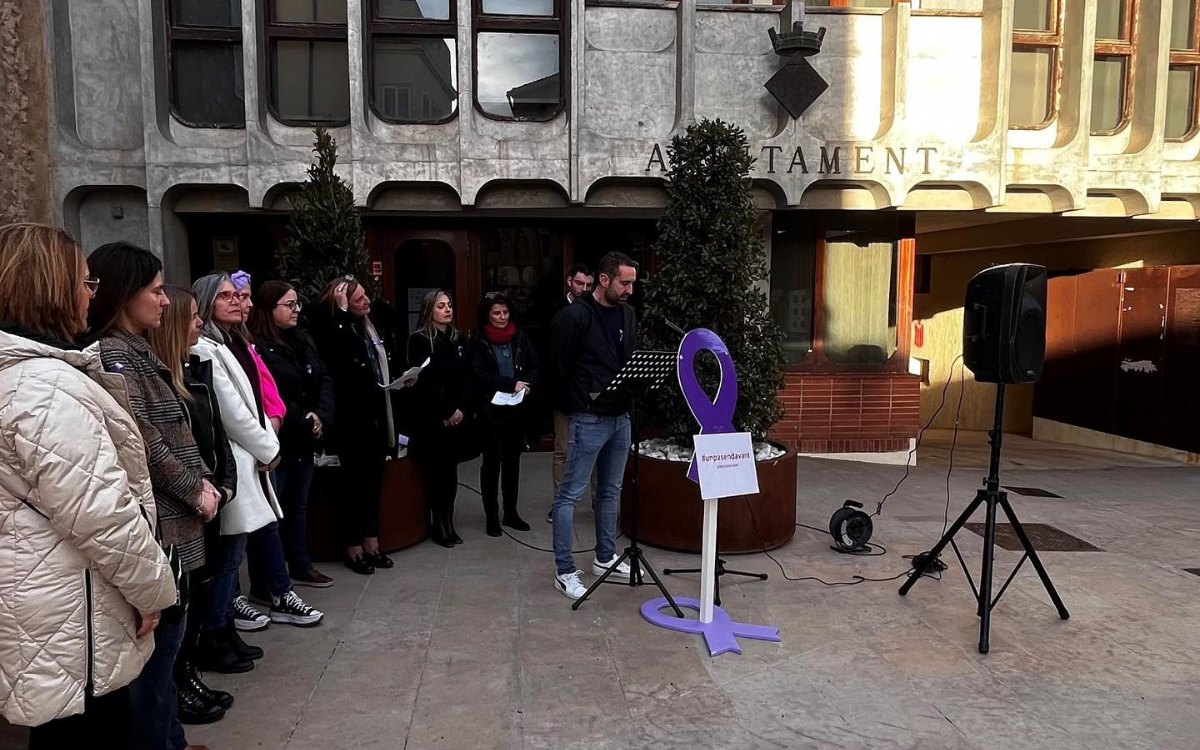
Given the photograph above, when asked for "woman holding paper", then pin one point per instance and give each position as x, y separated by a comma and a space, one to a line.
503, 365
441, 415
360, 364
307, 393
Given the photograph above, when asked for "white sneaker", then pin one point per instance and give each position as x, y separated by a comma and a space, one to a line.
246, 618
570, 584
293, 610
600, 568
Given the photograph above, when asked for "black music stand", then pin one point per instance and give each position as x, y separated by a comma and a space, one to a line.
645, 371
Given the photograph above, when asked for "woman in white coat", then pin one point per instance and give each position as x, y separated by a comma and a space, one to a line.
84, 578
255, 448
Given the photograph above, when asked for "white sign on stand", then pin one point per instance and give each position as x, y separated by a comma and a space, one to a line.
725, 463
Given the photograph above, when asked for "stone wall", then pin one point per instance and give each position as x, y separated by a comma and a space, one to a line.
24, 144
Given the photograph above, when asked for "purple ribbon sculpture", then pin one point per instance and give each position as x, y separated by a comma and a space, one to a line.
714, 416
721, 634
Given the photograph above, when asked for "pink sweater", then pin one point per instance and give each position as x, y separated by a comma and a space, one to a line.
273, 405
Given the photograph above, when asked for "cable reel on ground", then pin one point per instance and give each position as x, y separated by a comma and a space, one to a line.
850, 528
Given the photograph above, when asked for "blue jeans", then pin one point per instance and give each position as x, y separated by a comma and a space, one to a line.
602, 444
152, 695
264, 558
293, 479
224, 581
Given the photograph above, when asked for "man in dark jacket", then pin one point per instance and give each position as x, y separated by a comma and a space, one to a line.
590, 341
579, 285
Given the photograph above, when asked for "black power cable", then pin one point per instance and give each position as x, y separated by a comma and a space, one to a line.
921, 434
533, 547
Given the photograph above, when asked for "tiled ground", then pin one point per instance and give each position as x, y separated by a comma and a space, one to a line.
472, 648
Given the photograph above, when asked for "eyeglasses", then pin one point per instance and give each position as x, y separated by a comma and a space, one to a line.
293, 305
243, 295
92, 283
226, 296
495, 295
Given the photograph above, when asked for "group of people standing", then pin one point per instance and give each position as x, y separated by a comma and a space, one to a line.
153, 438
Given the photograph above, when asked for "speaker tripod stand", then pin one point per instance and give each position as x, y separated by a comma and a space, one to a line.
992, 497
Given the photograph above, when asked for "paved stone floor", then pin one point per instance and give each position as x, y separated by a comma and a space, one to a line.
472, 648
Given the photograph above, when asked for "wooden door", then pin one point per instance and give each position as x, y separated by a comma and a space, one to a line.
417, 260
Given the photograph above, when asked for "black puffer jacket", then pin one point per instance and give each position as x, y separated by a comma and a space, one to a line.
207, 428
304, 385
209, 433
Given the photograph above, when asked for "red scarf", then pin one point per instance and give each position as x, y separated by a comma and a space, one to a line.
500, 336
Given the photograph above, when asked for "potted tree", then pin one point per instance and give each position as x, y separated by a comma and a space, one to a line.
711, 272
325, 241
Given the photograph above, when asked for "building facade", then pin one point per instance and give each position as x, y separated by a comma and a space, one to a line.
491, 143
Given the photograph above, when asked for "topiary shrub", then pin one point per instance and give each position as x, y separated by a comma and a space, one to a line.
325, 237
711, 273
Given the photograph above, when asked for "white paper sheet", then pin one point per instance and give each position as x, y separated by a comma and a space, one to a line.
409, 374
508, 399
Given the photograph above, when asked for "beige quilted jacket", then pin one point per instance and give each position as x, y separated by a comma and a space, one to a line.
77, 546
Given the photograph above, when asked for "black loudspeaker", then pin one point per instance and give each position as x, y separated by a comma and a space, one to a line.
1004, 324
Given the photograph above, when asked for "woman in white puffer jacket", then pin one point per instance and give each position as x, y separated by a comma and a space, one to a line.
83, 578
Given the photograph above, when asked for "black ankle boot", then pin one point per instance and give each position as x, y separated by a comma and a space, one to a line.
187, 677
193, 708
243, 649
491, 514
439, 530
512, 518
216, 653
454, 537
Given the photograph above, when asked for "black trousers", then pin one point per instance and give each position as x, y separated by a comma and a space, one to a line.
362, 483
500, 471
439, 472
105, 722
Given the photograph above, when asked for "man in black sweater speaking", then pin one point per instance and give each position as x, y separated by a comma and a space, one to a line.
589, 343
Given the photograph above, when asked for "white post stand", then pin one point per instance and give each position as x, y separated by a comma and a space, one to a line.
708, 561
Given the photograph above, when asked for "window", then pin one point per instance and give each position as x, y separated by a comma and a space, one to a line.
835, 292
413, 60
308, 61
518, 58
1112, 99
859, 297
1033, 74
1183, 75
205, 63
793, 271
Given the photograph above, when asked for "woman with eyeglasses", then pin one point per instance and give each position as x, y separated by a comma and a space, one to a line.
503, 361
192, 380
360, 364
307, 393
256, 452
125, 308
84, 576
441, 398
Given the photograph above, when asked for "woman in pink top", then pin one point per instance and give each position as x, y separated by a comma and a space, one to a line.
273, 405
264, 549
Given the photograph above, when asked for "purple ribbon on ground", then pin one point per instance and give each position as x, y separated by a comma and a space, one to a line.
721, 634
713, 416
